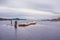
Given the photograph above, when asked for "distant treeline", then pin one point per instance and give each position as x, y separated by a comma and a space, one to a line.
57, 19
11, 19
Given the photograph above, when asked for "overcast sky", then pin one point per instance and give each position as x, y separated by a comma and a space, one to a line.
30, 6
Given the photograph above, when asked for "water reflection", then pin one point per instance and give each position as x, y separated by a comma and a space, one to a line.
15, 33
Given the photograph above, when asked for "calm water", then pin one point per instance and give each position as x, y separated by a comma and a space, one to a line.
40, 31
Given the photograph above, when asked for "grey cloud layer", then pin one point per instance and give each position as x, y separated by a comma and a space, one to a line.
46, 5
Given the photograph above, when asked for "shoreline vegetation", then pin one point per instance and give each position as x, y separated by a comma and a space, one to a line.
57, 19
4, 19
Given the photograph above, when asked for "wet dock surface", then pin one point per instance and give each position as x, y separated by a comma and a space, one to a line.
40, 31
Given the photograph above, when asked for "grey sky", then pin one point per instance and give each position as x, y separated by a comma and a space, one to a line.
49, 5
42, 5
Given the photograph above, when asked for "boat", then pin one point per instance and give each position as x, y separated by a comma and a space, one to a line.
24, 24
27, 24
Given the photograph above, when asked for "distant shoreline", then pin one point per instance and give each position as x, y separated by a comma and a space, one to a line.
57, 19
2, 19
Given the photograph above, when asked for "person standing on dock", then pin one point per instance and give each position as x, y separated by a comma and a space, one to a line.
11, 22
15, 24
